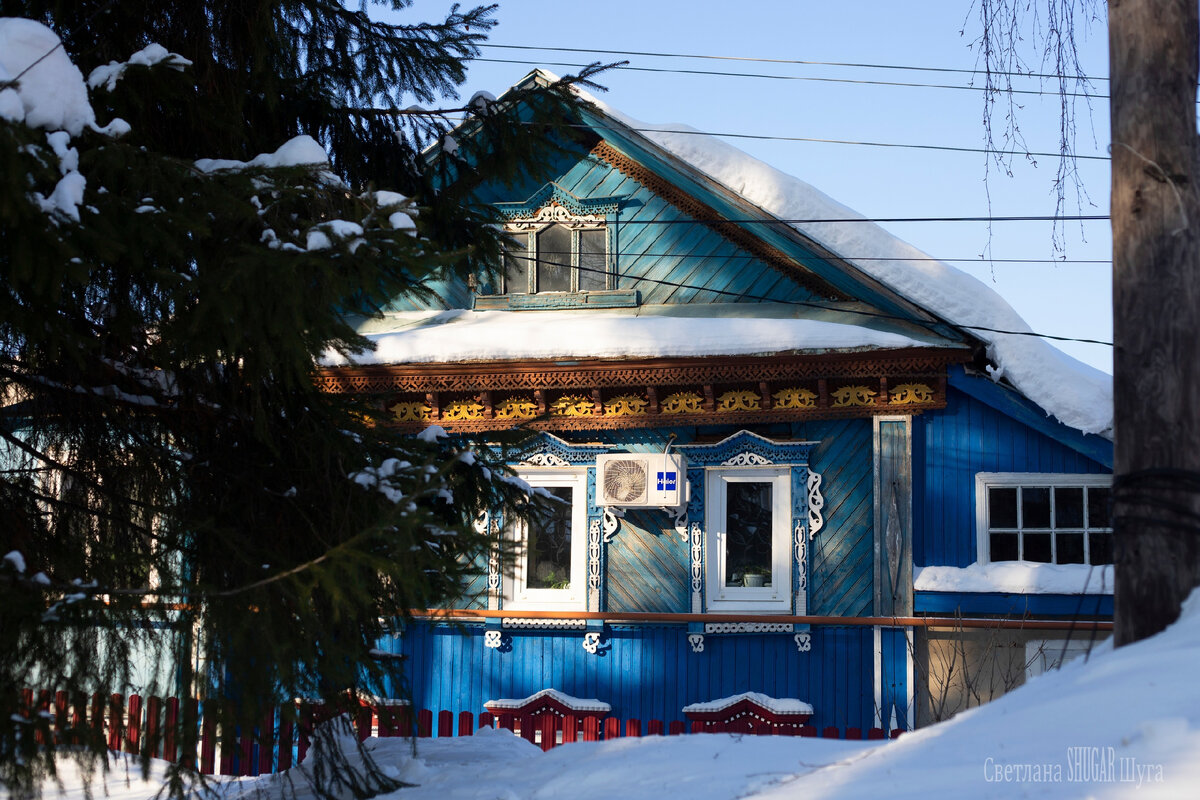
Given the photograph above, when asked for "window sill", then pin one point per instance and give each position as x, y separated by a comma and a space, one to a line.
554, 301
748, 606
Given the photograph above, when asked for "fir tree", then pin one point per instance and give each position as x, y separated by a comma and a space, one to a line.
174, 487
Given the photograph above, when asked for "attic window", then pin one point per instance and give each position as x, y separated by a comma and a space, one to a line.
556, 251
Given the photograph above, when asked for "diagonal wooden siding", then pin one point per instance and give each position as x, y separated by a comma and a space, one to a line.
841, 556
648, 565
955, 443
655, 247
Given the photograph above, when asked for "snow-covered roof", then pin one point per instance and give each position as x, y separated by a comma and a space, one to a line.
776, 705
566, 700
1076, 394
649, 331
1017, 577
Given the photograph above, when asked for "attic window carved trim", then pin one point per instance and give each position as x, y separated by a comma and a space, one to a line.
556, 252
555, 214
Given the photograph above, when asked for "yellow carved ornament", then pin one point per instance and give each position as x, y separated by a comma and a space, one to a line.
795, 398
516, 408
854, 396
462, 409
415, 411
739, 401
908, 393
681, 403
626, 405
572, 405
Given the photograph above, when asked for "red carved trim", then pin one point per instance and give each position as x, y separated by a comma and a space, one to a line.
743, 707
543, 705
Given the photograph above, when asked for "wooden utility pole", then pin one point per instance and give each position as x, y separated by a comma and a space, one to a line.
1156, 307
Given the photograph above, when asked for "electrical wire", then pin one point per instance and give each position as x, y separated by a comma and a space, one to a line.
448, 112
530, 260
972, 259
814, 220
88, 21
1004, 73
812, 78
815, 140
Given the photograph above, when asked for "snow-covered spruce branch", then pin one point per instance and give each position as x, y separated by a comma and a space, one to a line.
83, 477
95, 589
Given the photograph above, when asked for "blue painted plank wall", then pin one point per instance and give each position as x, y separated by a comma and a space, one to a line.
950, 447
841, 555
648, 563
647, 672
652, 250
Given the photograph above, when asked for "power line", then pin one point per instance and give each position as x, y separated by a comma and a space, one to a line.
806, 303
751, 257
812, 221
767, 137
1004, 73
813, 78
12, 82
447, 112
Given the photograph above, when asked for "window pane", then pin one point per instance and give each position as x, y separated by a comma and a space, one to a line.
1099, 508
516, 265
1002, 506
1070, 548
1068, 507
1101, 547
748, 533
1003, 547
1037, 547
548, 550
554, 259
592, 264
1035, 507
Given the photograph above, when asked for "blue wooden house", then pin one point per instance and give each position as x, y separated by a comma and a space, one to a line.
762, 447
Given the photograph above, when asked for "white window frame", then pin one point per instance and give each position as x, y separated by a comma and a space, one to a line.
517, 595
575, 223
776, 598
990, 480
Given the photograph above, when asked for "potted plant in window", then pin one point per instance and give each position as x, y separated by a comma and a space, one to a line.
754, 576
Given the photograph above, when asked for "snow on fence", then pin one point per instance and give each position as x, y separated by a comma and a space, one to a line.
284, 736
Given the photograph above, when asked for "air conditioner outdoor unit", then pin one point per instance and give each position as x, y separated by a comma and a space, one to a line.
641, 480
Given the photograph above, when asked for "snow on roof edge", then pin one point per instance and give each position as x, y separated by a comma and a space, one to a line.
777, 705
1074, 393
573, 703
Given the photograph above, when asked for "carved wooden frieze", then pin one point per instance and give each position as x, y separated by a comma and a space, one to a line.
510, 377
633, 394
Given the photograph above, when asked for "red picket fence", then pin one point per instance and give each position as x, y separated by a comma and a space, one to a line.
283, 737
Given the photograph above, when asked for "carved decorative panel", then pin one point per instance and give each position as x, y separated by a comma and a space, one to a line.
681, 403
644, 393
739, 401
854, 396
911, 393
795, 398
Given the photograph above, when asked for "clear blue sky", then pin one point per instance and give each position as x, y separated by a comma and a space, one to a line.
1064, 299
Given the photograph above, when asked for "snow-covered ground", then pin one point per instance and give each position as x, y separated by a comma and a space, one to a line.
1125, 723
